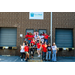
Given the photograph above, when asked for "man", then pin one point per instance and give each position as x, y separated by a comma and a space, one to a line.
46, 38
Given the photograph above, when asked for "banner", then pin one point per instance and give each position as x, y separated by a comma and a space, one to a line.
36, 15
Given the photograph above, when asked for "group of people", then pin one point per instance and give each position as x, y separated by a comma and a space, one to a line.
39, 42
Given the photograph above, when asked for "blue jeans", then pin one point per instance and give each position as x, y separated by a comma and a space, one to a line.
54, 55
46, 40
49, 53
43, 55
29, 41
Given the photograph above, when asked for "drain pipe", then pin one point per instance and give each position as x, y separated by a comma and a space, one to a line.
51, 28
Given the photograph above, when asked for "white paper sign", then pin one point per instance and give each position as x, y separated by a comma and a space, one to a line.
21, 35
36, 15
64, 48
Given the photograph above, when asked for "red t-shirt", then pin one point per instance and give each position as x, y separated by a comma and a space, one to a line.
26, 49
26, 36
30, 37
46, 36
32, 42
38, 45
44, 48
43, 34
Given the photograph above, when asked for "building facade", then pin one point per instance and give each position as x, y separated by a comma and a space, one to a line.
12, 24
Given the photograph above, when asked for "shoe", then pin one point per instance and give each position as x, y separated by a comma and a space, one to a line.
21, 59
38, 55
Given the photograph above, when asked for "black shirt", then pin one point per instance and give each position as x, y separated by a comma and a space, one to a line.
49, 48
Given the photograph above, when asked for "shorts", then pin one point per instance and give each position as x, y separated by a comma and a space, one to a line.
26, 52
38, 49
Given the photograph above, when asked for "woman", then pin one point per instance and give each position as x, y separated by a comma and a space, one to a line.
22, 51
38, 39
32, 47
48, 52
26, 52
44, 50
33, 41
39, 45
54, 51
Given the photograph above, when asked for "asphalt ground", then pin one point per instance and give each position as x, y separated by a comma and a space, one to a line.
7, 58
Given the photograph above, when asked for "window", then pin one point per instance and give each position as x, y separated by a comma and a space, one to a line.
29, 30
42, 30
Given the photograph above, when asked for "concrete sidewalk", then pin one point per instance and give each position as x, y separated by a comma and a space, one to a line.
18, 59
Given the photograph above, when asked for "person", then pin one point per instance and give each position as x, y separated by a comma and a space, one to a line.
22, 51
26, 36
38, 39
33, 41
32, 47
54, 51
35, 36
48, 52
46, 38
44, 50
26, 52
41, 37
43, 34
30, 38
39, 48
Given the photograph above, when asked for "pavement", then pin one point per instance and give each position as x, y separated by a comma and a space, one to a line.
7, 58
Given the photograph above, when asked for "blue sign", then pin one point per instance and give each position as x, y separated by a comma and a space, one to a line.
36, 15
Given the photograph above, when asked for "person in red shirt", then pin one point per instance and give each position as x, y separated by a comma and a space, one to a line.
39, 45
46, 38
26, 52
30, 38
26, 36
43, 34
44, 50
33, 41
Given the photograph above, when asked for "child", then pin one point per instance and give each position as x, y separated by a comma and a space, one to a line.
26, 52
48, 52
32, 50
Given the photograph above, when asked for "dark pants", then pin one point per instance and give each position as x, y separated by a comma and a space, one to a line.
22, 55
43, 55
46, 40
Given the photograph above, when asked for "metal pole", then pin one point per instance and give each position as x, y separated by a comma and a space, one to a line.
51, 28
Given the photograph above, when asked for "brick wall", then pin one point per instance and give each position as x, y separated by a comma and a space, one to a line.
64, 20
21, 21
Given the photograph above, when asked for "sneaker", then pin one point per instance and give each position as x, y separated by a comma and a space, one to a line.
21, 59
38, 55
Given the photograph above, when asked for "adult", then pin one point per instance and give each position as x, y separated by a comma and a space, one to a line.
43, 34
26, 36
32, 47
54, 51
26, 52
46, 38
22, 51
41, 38
35, 36
44, 50
38, 39
30, 36
39, 45
33, 41
48, 52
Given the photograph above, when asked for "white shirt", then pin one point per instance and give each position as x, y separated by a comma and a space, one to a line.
54, 47
41, 38
22, 49
35, 37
